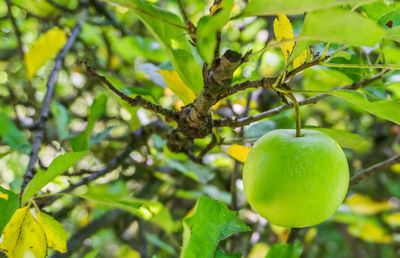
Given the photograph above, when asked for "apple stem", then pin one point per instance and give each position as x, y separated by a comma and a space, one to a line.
297, 110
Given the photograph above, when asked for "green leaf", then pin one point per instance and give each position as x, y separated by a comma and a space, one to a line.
386, 109
9, 203
221, 254
207, 28
256, 130
43, 49
100, 136
190, 169
56, 235
58, 166
271, 7
41, 8
130, 47
345, 139
153, 211
393, 34
211, 222
393, 17
12, 135
98, 108
60, 114
169, 30
337, 25
292, 250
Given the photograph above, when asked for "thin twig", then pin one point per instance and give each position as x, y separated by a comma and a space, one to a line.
183, 12
102, 9
229, 122
265, 83
44, 112
209, 147
136, 101
373, 169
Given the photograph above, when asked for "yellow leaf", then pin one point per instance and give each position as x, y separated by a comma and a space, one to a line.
363, 204
395, 168
177, 86
3, 196
393, 219
281, 232
369, 231
23, 236
311, 233
300, 59
55, 233
283, 30
43, 49
258, 250
238, 152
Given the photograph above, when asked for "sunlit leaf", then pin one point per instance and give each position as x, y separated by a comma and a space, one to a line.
310, 235
363, 204
386, 109
393, 33
302, 58
395, 168
55, 233
211, 222
292, 250
153, 211
392, 219
338, 26
283, 30
346, 139
12, 135
177, 86
281, 232
43, 49
41, 8
58, 166
23, 236
370, 231
271, 7
9, 203
260, 249
238, 152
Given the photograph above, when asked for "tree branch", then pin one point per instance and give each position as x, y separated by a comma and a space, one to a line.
137, 101
267, 82
233, 123
102, 9
44, 112
373, 169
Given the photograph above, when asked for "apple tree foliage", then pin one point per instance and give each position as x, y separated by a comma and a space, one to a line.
124, 124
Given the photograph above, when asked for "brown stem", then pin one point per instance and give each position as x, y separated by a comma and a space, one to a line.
137, 101
44, 112
373, 169
233, 123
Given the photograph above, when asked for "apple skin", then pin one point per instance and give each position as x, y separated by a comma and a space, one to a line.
295, 181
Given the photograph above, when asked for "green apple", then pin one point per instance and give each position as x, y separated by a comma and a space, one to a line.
295, 181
